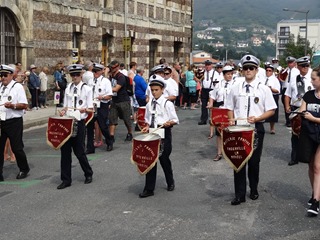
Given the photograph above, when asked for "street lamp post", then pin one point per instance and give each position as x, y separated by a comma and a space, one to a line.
306, 38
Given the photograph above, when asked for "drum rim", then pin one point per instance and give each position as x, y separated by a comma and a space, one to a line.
154, 137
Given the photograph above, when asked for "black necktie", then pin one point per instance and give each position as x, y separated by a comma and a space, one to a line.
207, 76
226, 85
75, 97
153, 116
3, 90
248, 91
289, 75
94, 86
248, 88
267, 81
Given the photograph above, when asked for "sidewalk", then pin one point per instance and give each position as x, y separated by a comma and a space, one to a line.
37, 117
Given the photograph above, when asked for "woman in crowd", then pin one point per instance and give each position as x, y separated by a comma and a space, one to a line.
273, 83
310, 139
191, 88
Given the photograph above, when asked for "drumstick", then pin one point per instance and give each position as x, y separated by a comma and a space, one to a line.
156, 129
87, 110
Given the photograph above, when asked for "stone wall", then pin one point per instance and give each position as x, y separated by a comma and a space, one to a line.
47, 29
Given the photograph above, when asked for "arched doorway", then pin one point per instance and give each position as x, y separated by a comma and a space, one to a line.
9, 37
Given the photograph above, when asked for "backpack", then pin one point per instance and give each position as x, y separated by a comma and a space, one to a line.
129, 85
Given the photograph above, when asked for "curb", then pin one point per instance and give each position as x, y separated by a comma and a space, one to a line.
36, 123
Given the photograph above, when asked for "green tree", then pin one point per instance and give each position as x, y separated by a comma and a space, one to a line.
295, 49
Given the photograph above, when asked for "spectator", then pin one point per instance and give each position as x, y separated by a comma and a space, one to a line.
120, 106
60, 81
43, 87
34, 87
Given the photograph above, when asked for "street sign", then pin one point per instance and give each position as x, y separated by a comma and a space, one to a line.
126, 42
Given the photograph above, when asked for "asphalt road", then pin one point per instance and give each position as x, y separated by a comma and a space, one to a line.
199, 208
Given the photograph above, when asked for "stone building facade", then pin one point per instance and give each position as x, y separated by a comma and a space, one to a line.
44, 32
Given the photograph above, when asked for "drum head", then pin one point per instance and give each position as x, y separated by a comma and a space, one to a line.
146, 137
239, 128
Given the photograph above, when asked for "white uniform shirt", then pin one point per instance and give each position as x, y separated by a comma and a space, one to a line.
83, 97
208, 78
292, 90
164, 112
102, 87
87, 78
292, 74
255, 103
273, 82
171, 89
220, 93
13, 93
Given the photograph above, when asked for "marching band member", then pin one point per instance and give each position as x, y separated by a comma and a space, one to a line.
172, 90
218, 98
13, 103
296, 88
102, 94
273, 83
252, 101
160, 112
207, 84
291, 73
78, 98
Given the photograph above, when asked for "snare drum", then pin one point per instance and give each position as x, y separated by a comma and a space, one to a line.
238, 145
140, 118
145, 151
295, 120
59, 130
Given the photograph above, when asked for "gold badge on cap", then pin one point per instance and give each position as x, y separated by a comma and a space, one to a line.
256, 99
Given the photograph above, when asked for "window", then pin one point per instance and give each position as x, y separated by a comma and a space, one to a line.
284, 31
153, 48
8, 37
302, 29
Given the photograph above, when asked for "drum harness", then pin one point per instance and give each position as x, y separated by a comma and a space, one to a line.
75, 123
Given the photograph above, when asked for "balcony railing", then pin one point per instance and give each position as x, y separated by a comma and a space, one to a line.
283, 34
282, 45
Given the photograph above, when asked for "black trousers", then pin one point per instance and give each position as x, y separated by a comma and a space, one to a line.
34, 97
283, 90
204, 103
77, 145
103, 121
165, 164
90, 135
13, 129
240, 178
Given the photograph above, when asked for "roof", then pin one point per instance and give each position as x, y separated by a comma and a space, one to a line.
299, 21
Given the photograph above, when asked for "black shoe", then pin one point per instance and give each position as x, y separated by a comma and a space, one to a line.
63, 185
292, 163
238, 200
146, 194
22, 175
110, 147
88, 180
310, 200
1, 178
313, 209
89, 152
202, 123
59, 105
254, 195
171, 187
129, 137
